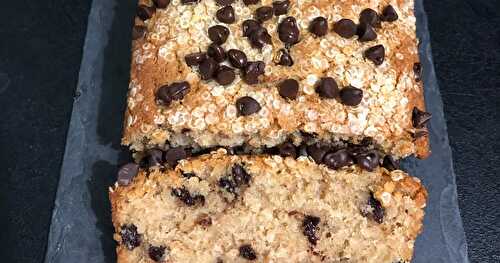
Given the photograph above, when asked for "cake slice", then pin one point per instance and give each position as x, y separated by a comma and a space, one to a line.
258, 73
227, 208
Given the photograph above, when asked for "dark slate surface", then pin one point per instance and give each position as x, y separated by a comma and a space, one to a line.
40, 54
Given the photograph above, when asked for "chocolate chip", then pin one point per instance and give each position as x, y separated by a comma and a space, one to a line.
126, 173
204, 220
285, 59
288, 89
226, 15
346, 28
389, 14
317, 152
310, 227
249, 26
281, 7
228, 185
319, 26
145, 12
420, 118
208, 67
252, 71
240, 175
174, 155
225, 75
369, 16
189, 2
138, 32
130, 238
194, 59
184, 196
377, 211
287, 149
247, 106
155, 157
224, 2
260, 37
161, 3
156, 253
175, 91
247, 252
251, 2
351, 96
390, 163
217, 52
188, 175
264, 13
366, 33
288, 31
237, 58
327, 88
218, 34
338, 159
368, 161
417, 69
376, 54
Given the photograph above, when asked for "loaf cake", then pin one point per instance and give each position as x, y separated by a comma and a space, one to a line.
254, 74
266, 208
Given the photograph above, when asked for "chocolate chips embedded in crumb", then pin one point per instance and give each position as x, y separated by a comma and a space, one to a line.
327, 88
248, 26
376, 54
390, 163
247, 252
175, 91
351, 96
317, 152
126, 173
365, 32
154, 157
240, 175
288, 89
237, 58
370, 17
226, 15
260, 37
145, 12
138, 32
319, 26
161, 3
346, 28
187, 198
285, 59
216, 52
287, 149
156, 253
225, 75
252, 71
194, 59
389, 14
420, 118
130, 238
174, 155
207, 68
310, 227
368, 161
228, 184
218, 34
417, 69
281, 7
264, 13
288, 31
374, 209
247, 106
338, 159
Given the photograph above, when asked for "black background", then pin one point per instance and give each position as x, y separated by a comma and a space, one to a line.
40, 52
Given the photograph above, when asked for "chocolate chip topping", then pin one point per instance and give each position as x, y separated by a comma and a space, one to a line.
417, 69
390, 163
216, 52
186, 197
351, 96
252, 71
226, 15
208, 67
327, 88
287, 149
389, 14
218, 34
317, 152
224, 2
319, 26
189, 2
310, 227
376, 54
369, 16
156, 253
154, 157
375, 211
225, 75
237, 58
285, 59
420, 118
249, 26
338, 159
346, 28
264, 13
194, 59
288, 31
174, 155
161, 3
260, 37
247, 106
138, 32
175, 91
247, 252
130, 238
145, 12
288, 89
368, 161
126, 173
281, 7
365, 32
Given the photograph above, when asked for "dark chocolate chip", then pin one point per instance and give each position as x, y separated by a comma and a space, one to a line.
247, 252
369, 16
249, 26
218, 34
368, 161
184, 196
155, 157
288, 31
260, 37
225, 75
208, 67
199, 199
226, 15
247, 106
319, 26
228, 185
217, 52
225, 2
156, 253
145, 12
252, 71
327, 88
377, 211
251, 2
346, 28
188, 175
161, 3
287, 149
194, 59
175, 91
126, 173
189, 2
240, 175
130, 238
264, 13
281, 7
417, 69
338, 159
138, 32
285, 59
390, 163
420, 118
288, 89
174, 155
237, 58
310, 227
351, 96
376, 54
317, 152
389, 14
365, 32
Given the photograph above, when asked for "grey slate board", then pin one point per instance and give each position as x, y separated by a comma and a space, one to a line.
81, 229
